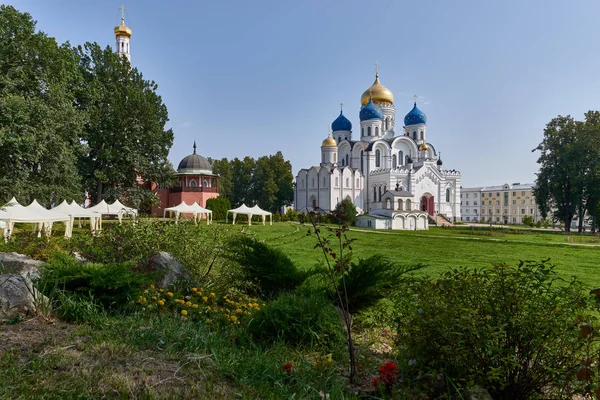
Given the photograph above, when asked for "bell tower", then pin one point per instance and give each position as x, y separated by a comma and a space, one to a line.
122, 35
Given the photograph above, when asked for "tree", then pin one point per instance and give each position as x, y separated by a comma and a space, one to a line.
125, 134
241, 181
38, 124
222, 168
219, 206
345, 212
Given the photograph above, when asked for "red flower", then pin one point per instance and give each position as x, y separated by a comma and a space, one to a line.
288, 368
375, 382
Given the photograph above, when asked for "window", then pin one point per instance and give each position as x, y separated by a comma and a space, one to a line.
407, 158
467, 218
324, 184
347, 182
193, 183
497, 194
505, 199
422, 136
514, 193
467, 203
362, 131
374, 193
379, 193
408, 205
400, 205
514, 219
474, 203
475, 211
497, 202
377, 158
337, 183
475, 195
531, 211
376, 131
343, 161
522, 201
362, 163
514, 211
467, 195
334, 157
514, 202
415, 135
347, 163
523, 193
369, 131
313, 182
394, 161
447, 195
522, 211
531, 202
400, 157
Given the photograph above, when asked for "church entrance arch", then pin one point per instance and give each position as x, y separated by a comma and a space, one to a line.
313, 201
427, 204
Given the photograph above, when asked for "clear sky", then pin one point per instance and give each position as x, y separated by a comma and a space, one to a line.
254, 77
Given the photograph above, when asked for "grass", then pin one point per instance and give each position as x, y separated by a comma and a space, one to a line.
441, 249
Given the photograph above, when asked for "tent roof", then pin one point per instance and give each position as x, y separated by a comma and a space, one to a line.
186, 208
243, 209
256, 210
112, 209
32, 213
73, 210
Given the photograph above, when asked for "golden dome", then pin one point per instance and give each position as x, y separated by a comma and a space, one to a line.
378, 92
122, 30
329, 142
423, 147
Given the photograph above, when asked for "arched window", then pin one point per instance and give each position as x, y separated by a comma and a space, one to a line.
447, 195
421, 135
339, 139
379, 193
362, 131
394, 161
362, 162
347, 182
193, 183
384, 188
400, 205
337, 183
369, 131
415, 135
324, 182
387, 124
400, 157
406, 159
408, 205
313, 182
377, 158
334, 157
374, 193
205, 183
358, 183
347, 163
388, 204
376, 131
343, 162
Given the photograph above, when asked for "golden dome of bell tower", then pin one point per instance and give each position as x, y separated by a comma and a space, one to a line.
123, 34
379, 93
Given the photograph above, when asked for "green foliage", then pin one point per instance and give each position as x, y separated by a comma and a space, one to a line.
266, 270
39, 248
528, 220
345, 212
219, 206
112, 286
38, 124
513, 331
299, 320
370, 280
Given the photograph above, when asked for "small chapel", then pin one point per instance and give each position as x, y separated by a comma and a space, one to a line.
396, 181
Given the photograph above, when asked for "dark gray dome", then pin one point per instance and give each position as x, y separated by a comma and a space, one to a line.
194, 163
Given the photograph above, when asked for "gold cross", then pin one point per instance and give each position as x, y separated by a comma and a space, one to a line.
341, 106
376, 68
122, 8
415, 97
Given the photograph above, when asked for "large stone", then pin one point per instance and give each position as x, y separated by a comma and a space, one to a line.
174, 270
18, 297
21, 264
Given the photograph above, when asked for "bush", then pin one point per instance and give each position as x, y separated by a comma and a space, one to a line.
345, 212
268, 271
299, 320
512, 331
112, 286
219, 206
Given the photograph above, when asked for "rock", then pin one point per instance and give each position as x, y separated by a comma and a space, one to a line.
18, 297
21, 264
163, 261
477, 393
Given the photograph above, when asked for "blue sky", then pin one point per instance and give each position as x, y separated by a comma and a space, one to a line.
254, 77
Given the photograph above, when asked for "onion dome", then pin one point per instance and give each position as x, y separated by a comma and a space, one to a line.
370, 111
378, 92
439, 162
415, 117
122, 30
194, 163
423, 147
329, 142
341, 123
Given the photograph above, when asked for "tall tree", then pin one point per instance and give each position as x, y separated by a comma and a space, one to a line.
38, 125
222, 167
241, 181
125, 133
560, 183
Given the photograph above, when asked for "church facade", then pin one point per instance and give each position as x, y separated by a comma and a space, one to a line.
396, 181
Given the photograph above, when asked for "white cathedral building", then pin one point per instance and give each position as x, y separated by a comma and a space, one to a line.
396, 181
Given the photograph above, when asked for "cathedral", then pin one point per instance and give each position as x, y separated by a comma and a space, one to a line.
395, 181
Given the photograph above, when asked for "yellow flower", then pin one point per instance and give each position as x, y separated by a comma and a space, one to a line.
205, 299
194, 289
238, 311
184, 312
153, 297
188, 303
207, 320
233, 318
170, 294
161, 290
161, 303
212, 294
257, 308
151, 286
194, 305
146, 291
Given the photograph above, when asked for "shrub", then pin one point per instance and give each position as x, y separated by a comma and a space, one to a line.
528, 220
110, 285
291, 214
345, 212
219, 206
299, 320
512, 331
268, 271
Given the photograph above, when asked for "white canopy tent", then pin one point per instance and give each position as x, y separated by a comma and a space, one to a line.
184, 208
116, 208
33, 214
257, 211
73, 210
250, 212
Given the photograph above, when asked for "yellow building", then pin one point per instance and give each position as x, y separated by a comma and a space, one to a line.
508, 204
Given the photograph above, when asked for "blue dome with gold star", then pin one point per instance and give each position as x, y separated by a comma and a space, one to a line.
370, 111
415, 117
341, 123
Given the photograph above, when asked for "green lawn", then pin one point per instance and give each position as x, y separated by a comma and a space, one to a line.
444, 248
